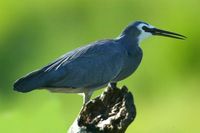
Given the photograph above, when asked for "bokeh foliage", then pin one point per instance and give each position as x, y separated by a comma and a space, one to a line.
166, 85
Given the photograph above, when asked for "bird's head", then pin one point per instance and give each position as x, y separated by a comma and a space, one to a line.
142, 30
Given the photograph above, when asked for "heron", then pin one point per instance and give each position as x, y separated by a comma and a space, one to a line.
94, 66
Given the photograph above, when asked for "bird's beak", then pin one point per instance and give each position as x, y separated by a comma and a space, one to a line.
160, 32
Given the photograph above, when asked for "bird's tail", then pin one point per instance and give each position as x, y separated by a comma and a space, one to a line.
29, 82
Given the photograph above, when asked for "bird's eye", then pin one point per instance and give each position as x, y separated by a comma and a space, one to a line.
146, 29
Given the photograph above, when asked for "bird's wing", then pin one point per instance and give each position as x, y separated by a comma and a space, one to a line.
87, 67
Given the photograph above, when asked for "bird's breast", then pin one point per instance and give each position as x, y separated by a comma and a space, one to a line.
131, 63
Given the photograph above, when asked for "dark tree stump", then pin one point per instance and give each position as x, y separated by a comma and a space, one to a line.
111, 112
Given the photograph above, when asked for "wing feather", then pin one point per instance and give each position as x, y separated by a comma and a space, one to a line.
87, 67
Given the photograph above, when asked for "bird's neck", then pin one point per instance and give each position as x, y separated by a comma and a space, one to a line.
130, 42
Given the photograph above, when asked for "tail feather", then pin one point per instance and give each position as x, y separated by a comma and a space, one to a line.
29, 82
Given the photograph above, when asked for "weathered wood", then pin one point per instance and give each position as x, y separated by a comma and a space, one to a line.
111, 112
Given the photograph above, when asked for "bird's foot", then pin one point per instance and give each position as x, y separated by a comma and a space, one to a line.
112, 85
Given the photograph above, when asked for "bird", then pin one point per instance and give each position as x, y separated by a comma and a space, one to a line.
94, 66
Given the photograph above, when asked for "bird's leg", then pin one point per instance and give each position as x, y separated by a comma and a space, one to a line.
86, 96
113, 85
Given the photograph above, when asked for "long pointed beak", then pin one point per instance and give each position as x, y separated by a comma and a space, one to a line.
160, 32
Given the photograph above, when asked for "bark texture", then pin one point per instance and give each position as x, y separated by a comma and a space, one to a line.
111, 112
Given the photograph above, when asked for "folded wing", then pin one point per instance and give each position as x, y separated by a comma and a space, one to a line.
87, 67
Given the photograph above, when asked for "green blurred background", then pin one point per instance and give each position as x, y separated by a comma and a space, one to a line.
165, 87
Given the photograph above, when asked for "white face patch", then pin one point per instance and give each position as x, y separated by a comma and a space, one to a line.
143, 35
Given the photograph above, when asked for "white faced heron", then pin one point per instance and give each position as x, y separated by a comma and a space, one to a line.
94, 66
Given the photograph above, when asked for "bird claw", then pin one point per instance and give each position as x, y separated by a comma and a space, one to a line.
112, 85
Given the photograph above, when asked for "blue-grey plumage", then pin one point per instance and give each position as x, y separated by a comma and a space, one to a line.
91, 67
